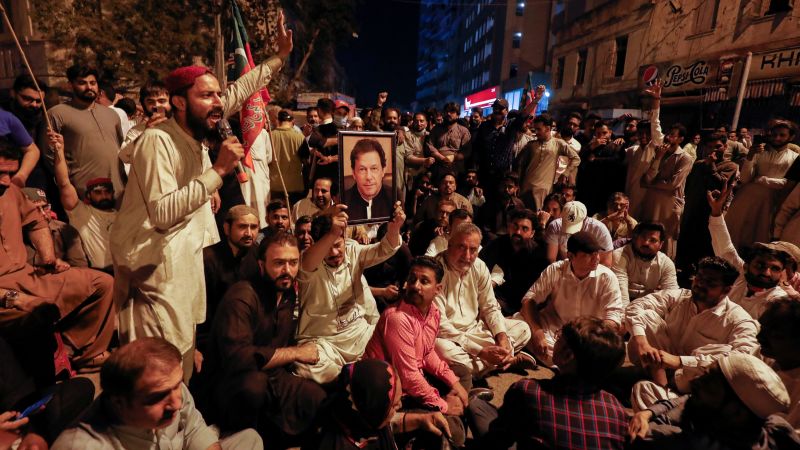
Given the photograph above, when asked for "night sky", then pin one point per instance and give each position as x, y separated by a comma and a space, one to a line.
384, 55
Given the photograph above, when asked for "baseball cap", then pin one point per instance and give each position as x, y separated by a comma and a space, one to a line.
755, 383
342, 104
500, 102
583, 242
572, 217
34, 194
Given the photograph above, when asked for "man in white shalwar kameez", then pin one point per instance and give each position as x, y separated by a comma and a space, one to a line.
474, 337
337, 309
166, 220
686, 330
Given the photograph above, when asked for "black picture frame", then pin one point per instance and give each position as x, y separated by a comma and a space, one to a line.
382, 207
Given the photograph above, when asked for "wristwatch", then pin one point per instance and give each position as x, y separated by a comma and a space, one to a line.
9, 299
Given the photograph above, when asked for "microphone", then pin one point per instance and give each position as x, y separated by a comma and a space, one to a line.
225, 131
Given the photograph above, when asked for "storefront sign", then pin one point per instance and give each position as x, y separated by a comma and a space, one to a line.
682, 75
776, 64
481, 99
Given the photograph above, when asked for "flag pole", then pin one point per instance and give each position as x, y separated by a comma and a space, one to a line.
25, 61
219, 47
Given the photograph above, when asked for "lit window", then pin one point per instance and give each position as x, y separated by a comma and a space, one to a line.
520, 8
517, 40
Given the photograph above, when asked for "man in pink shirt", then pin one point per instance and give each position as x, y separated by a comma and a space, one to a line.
405, 337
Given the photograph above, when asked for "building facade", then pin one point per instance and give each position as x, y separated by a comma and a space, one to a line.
41, 53
478, 49
604, 54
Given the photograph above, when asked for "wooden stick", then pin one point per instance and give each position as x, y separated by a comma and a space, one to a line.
27, 65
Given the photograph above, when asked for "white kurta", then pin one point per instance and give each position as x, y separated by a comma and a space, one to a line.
638, 159
787, 221
337, 309
639, 277
165, 222
671, 322
723, 247
764, 188
158, 238
471, 317
567, 297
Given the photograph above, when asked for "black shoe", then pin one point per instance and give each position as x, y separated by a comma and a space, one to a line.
523, 361
484, 394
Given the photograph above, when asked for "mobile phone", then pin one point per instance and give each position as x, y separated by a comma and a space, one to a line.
34, 408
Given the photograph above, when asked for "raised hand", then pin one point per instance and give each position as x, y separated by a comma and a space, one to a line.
285, 44
655, 90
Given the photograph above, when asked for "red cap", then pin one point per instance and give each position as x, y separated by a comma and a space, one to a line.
98, 181
342, 103
183, 77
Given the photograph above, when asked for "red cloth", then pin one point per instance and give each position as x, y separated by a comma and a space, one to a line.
96, 181
183, 77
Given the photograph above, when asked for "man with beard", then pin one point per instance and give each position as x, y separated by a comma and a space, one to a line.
66, 239
405, 337
165, 221
320, 199
734, 405
494, 215
475, 120
145, 404
601, 170
474, 336
450, 222
684, 331
516, 259
253, 349
448, 143
92, 217
472, 191
225, 263
277, 220
568, 289
92, 133
760, 271
338, 312
26, 105
640, 266
80, 299
447, 191
539, 163
764, 186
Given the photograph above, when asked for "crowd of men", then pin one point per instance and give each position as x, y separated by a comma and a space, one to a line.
655, 274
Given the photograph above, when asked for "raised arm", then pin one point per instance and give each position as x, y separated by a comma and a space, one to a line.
69, 196
314, 255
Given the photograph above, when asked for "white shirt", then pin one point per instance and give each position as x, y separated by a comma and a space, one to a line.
688, 330
465, 302
597, 295
639, 277
94, 226
305, 207
554, 236
437, 245
335, 302
723, 247
791, 379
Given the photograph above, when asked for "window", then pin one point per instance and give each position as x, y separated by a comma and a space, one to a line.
559, 73
706, 18
579, 77
520, 8
10, 12
779, 6
621, 52
512, 73
517, 40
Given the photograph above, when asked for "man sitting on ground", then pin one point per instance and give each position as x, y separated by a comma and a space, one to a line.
686, 330
337, 310
780, 338
405, 338
67, 241
641, 267
569, 411
439, 243
252, 349
277, 219
319, 200
568, 289
145, 404
474, 337
573, 219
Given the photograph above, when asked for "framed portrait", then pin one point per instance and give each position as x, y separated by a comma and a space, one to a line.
367, 178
